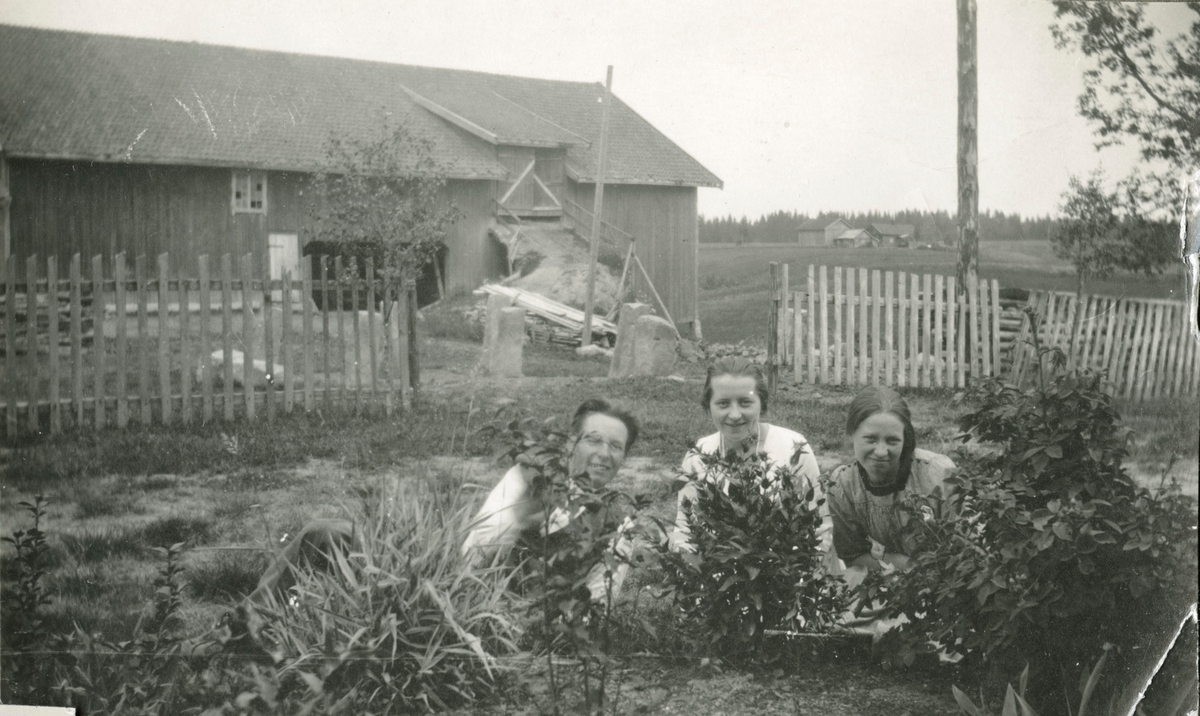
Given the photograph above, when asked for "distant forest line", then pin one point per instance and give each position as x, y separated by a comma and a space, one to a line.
781, 227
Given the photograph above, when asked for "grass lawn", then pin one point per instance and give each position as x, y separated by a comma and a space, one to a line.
234, 493
734, 281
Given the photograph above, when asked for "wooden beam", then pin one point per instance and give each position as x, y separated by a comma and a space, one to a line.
597, 212
451, 117
517, 183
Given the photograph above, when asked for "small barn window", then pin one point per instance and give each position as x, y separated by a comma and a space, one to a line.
249, 192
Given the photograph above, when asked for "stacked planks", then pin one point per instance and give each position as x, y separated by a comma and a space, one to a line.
551, 321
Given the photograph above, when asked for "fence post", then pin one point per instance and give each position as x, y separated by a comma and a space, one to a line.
77, 339
876, 329
797, 333
286, 345
122, 302
164, 356
306, 285
403, 340
52, 315
339, 274
773, 328
914, 330
248, 334
1179, 334
325, 308
809, 325
901, 328
371, 345
852, 355
143, 330
268, 343
889, 329
358, 385
939, 333
206, 387
822, 319
33, 374
952, 329
863, 342
185, 350
10, 346
839, 301
414, 354
995, 286
98, 341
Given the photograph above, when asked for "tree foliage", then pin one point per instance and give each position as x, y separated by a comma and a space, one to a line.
1141, 85
1103, 231
387, 192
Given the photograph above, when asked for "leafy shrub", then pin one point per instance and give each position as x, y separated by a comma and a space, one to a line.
25, 677
758, 562
1053, 550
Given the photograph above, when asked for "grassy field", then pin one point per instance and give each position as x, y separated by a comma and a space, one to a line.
234, 493
734, 280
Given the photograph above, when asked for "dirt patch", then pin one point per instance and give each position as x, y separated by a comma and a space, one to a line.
562, 272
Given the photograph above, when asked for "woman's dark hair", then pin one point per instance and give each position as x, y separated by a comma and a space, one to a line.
878, 399
740, 367
604, 407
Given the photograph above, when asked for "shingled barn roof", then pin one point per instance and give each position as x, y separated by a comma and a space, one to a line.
80, 96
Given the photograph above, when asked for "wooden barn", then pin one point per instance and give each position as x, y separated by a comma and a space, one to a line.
897, 235
114, 144
821, 232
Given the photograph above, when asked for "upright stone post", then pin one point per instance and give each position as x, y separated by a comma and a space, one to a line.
491, 324
622, 359
505, 357
654, 346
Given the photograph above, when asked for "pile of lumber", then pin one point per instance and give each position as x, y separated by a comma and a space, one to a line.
553, 322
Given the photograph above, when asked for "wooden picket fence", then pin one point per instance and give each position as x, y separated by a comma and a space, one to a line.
872, 327
110, 348
1144, 345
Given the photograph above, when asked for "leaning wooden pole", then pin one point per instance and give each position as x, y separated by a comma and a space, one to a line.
597, 209
968, 148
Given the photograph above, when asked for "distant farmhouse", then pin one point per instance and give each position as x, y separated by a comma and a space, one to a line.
855, 239
897, 235
816, 232
115, 144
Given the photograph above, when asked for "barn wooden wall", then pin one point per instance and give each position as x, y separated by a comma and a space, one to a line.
664, 221
62, 207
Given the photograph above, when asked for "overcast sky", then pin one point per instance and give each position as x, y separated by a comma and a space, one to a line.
796, 105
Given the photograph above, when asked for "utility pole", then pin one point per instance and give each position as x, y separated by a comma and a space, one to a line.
968, 148
597, 208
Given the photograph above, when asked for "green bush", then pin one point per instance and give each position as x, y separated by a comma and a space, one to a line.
1047, 550
758, 563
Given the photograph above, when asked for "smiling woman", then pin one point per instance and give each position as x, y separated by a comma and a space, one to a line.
865, 496
735, 397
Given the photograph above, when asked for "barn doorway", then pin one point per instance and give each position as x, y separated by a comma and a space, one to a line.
283, 255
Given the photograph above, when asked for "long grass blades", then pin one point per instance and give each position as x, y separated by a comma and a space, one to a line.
400, 619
